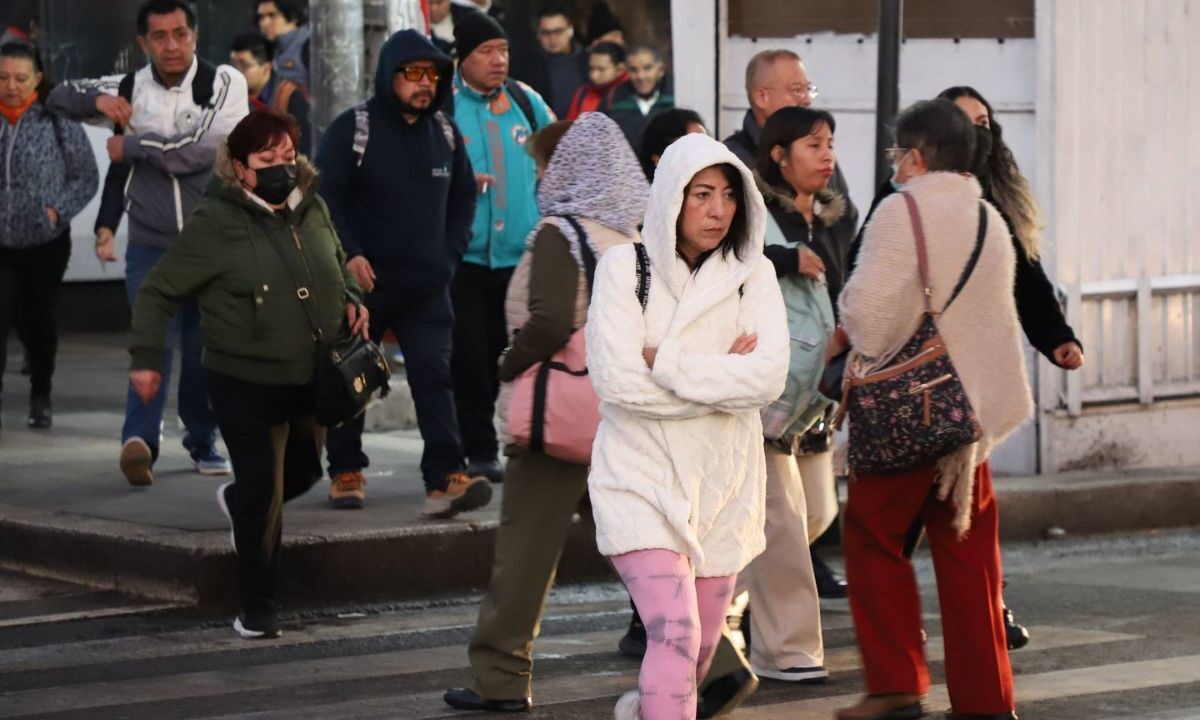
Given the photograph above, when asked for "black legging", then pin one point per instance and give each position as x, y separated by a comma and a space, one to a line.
29, 283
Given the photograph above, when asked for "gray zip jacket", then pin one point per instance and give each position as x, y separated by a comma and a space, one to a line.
170, 142
44, 166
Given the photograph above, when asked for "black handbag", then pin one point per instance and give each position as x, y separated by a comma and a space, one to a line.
349, 370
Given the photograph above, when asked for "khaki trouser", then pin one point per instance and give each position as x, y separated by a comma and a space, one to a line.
785, 618
541, 495
820, 492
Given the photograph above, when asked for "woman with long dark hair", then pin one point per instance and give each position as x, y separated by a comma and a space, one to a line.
50, 176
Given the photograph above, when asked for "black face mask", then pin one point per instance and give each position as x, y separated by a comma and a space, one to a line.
984, 143
275, 183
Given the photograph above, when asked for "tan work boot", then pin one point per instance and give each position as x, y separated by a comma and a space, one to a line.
886, 707
347, 490
462, 494
137, 462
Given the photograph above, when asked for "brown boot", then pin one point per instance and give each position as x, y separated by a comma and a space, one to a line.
886, 707
347, 490
463, 493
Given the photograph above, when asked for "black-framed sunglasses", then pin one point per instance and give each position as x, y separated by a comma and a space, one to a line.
413, 73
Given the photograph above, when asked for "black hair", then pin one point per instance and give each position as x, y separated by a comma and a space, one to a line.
163, 7
784, 127
255, 44
640, 48
663, 129
28, 51
1006, 185
611, 49
552, 11
291, 10
23, 14
941, 131
738, 237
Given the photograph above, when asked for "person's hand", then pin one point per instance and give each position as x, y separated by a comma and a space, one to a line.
145, 384
744, 345
1069, 355
357, 317
483, 180
838, 343
811, 265
106, 247
649, 354
362, 271
52, 214
116, 148
115, 108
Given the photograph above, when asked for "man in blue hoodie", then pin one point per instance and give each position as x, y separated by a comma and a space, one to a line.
401, 192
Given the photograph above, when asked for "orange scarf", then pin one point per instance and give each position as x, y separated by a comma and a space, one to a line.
12, 115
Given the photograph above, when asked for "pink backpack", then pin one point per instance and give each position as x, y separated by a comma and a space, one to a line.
553, 408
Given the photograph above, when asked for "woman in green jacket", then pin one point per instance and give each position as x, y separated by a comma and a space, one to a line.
257, 250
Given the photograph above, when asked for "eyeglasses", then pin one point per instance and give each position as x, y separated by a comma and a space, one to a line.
414, 73
552, 32
801, 90
895, 154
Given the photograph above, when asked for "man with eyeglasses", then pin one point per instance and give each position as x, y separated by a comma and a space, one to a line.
559, 66
401, 193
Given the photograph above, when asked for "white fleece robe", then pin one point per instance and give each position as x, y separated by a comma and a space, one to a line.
678, 460
882, 306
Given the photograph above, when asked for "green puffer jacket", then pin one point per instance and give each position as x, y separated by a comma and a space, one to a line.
230, 257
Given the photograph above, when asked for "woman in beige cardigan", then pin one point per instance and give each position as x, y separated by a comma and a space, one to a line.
881, 308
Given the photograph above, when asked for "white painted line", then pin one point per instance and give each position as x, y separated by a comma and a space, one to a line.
92, 614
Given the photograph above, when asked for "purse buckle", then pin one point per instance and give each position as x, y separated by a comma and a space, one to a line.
302, 293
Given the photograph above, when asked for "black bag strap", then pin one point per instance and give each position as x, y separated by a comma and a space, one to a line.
303, 293
971, 263
521, 98
585, 252
643, 275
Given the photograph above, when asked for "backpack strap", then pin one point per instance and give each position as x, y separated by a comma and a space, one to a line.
521, 98
202, 83
362, 133
283, 95
585, 252
447, 130
643, 275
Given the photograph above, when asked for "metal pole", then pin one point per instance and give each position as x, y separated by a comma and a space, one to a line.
887, 97
336, 59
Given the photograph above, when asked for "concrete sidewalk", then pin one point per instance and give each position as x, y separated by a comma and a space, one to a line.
66, 510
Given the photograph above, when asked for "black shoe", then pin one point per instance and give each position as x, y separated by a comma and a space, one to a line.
490, 469
724, 694
633, 644
40, 416
264, 627
744, 626
468, 699
1018, 635
830, 585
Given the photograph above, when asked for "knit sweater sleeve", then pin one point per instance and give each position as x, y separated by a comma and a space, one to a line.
884, 284
616, 337
553, 285
732, 383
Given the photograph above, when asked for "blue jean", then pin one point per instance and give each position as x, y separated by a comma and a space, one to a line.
144, 420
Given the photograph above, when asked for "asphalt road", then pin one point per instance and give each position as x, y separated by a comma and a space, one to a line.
1115, 623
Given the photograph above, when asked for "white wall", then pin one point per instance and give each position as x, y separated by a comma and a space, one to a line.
84, 265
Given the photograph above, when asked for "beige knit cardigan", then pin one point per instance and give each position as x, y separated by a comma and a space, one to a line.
882, 306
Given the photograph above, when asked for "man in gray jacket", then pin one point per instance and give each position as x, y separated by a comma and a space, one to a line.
169, 117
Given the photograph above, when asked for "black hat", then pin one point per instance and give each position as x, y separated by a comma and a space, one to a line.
602, 21
474, 30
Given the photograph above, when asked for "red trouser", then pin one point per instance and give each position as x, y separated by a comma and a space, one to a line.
886, 603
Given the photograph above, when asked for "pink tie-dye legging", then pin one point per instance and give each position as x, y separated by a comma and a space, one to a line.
684, 615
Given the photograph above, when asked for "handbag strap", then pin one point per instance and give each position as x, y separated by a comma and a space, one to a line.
303, 293
585, 251
918, 227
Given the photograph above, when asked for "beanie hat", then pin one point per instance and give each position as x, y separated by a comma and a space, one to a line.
474, 30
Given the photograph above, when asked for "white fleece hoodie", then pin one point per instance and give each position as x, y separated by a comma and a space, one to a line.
678, 461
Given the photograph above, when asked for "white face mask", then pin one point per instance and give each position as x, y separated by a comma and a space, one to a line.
897, 186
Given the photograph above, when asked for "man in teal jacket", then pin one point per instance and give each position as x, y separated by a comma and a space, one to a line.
496, 116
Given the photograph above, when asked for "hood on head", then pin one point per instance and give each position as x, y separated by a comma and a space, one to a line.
594, 174
405, 47
679, 164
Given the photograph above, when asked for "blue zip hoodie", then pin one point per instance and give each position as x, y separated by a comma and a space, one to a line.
496, 130
408, 206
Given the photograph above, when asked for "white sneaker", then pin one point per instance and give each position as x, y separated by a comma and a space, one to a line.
629, 706
803, 675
